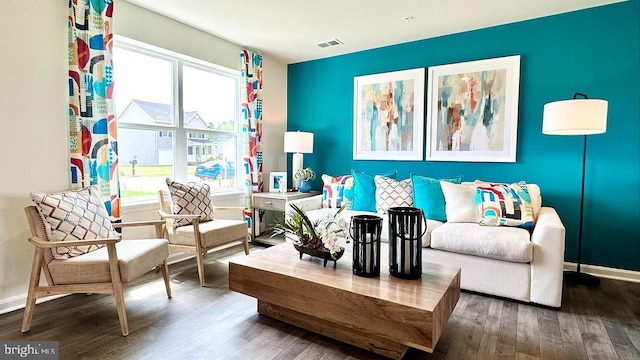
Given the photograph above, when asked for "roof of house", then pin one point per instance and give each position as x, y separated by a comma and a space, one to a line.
161, 112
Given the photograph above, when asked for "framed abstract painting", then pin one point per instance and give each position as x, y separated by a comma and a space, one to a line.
472, 110
388, 116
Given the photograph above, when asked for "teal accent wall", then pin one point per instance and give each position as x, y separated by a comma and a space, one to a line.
594, 51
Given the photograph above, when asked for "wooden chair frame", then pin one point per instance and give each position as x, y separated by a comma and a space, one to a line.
114, 287
199, 251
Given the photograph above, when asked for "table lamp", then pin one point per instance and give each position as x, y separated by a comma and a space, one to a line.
582, 116
297, 142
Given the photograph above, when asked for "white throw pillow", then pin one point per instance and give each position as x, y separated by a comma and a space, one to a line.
460, 202
392, 193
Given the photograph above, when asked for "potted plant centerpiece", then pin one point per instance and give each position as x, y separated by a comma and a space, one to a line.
317, 238
304, 176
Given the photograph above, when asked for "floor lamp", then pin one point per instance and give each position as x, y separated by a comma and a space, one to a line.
297, 142
579, 116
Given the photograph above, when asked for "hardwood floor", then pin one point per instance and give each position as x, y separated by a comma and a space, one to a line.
214, 323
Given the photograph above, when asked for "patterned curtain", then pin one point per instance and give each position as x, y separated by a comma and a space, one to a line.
92, 123
252, 129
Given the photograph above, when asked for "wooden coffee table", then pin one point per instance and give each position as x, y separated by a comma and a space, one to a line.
384, 314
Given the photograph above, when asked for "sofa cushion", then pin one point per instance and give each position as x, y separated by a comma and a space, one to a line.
391, 193
190, 198
428, 196
364, 190
335, 191
74, 215
504, 204
501, 243
460, 202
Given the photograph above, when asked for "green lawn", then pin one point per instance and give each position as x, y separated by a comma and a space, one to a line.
152, 170
128, 194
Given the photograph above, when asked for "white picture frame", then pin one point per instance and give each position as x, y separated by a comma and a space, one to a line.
278, 181
388, 116
472, 110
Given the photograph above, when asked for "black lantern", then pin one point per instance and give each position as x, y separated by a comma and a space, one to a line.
405, 242
365, 231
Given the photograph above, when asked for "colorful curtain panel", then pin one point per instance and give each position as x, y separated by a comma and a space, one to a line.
252, 129
92, 124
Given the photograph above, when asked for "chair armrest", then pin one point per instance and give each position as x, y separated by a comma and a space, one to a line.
166, 215
548, 239
138, 223
239, 208
308, 203
51, 244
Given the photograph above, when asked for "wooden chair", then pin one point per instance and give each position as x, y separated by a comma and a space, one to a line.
103, 271
200, 237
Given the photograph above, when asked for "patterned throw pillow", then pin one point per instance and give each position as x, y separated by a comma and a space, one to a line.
190, 198
504, 204
335, 190
391, 193
74, 215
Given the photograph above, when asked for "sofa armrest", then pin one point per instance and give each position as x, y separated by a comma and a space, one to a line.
308, 203
548, 239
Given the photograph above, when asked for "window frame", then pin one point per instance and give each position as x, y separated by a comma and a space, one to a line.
180, 133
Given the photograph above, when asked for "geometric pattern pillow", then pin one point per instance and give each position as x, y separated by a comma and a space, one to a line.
504, 204
74, 215
391, 193
190, 198
334, 190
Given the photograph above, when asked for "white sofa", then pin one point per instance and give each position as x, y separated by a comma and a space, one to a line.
504, 261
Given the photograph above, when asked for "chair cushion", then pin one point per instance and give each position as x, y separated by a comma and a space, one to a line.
212, 233
74, 215
502, 243
190, 198
135, 258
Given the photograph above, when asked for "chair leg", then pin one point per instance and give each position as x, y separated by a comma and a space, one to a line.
34, 280
245, 243
165, 274
118, 292
200, 261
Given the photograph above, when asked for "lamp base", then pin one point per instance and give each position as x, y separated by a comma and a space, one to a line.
581, 278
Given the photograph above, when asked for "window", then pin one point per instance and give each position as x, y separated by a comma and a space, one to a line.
177, 117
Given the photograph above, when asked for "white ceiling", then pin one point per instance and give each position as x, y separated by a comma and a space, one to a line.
290, 29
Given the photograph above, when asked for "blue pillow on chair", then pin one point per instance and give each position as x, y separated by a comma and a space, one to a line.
364, 190
428, 195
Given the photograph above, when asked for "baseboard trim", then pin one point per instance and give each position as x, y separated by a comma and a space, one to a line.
605, 272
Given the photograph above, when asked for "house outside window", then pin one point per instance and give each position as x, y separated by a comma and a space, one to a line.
178, 117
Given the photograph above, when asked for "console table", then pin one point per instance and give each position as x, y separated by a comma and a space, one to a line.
273, 201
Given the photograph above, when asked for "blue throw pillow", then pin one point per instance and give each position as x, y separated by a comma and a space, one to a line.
364, 190
428, 195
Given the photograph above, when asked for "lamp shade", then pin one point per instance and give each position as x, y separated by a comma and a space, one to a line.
575, 117
298, 142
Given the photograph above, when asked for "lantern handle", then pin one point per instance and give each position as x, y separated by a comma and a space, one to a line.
424, 221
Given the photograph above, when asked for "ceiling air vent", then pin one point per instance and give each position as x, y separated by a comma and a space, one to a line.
328, 43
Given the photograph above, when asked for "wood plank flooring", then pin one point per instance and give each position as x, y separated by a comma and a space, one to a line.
214, 323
